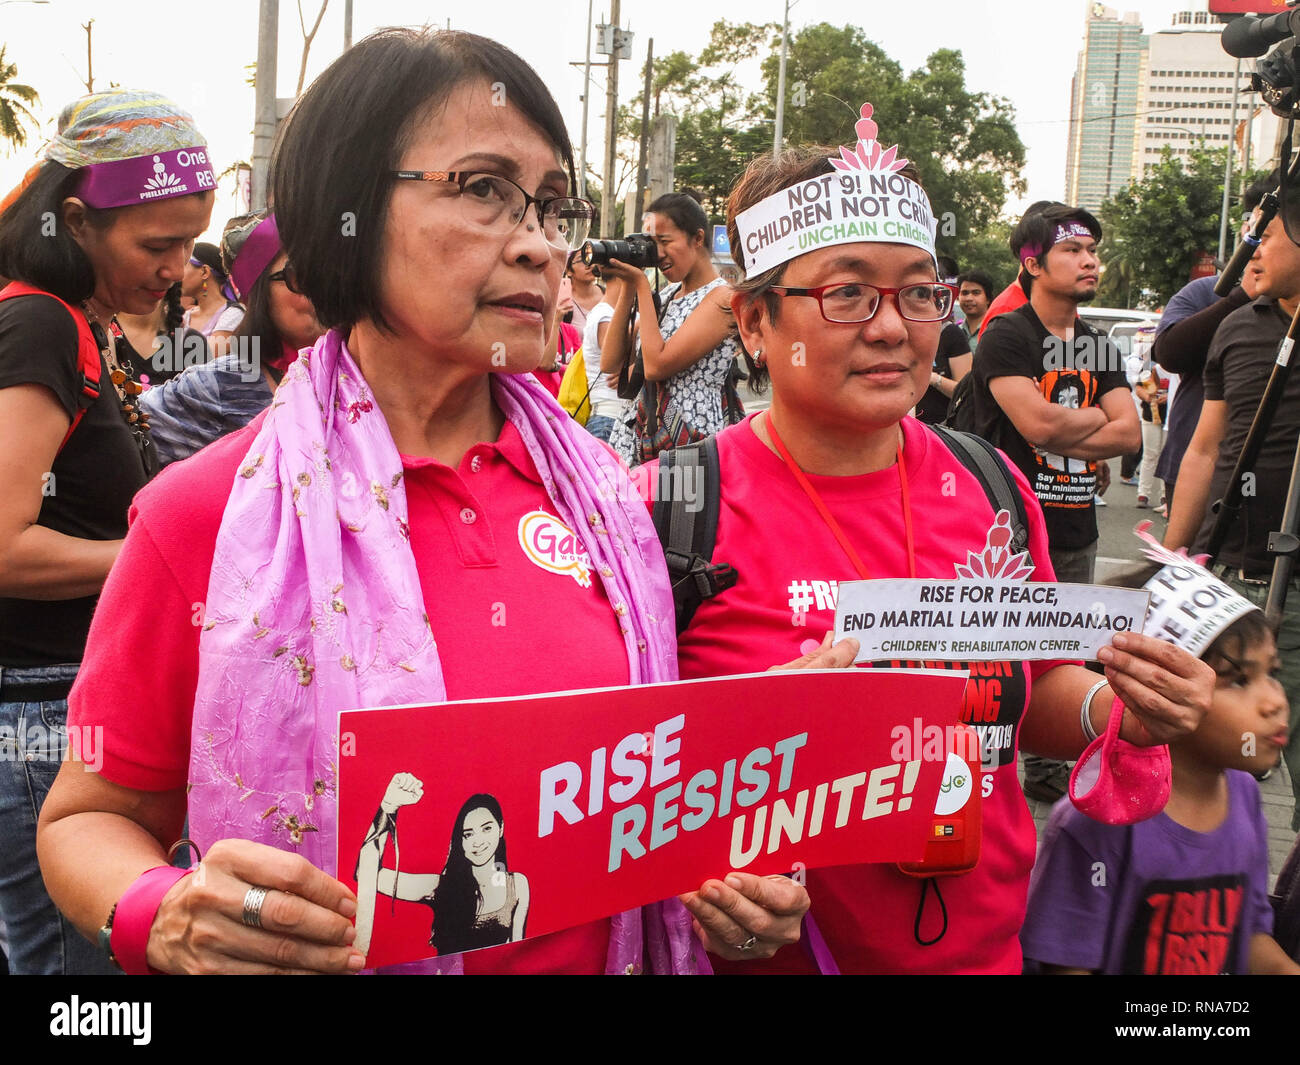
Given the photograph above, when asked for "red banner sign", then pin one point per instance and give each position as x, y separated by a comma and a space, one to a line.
615, 798
1246, 7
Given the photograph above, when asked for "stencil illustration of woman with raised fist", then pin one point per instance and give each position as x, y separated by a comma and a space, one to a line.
477, 902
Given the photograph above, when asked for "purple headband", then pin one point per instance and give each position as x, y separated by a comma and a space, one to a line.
257, 253
1063, 232
125, 182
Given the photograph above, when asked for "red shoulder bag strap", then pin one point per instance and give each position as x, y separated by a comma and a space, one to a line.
88, 355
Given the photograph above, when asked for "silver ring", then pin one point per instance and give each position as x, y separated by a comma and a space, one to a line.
748, 944
253, 906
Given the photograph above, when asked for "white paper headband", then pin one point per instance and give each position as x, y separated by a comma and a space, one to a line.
866, 200
1189, 605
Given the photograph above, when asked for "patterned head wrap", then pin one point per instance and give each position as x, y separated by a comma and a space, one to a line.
133, 147
248, 246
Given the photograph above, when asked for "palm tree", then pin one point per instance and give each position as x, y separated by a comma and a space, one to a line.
14, 99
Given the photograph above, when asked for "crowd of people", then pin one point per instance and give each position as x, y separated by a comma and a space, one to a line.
352, 422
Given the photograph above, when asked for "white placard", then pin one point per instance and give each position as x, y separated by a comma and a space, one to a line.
984, 621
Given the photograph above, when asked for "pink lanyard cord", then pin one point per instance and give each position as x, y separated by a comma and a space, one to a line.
829, 518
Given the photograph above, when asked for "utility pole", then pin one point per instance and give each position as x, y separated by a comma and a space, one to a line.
609, 194
1227, 167
1245, 159
347, 24
645, 130
586, 96
617, 44
90, 66
779, 132
264, 118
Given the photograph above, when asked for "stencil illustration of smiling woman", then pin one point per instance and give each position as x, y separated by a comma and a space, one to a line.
477, 902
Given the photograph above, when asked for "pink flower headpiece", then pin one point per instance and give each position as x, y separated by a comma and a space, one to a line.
862, 199
867, 154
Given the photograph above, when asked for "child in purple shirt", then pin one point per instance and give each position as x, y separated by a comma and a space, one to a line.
1184, 892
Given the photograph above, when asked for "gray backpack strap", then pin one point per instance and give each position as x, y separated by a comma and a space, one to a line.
687, 523
987, 466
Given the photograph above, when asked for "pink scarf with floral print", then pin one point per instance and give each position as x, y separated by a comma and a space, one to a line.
314, 606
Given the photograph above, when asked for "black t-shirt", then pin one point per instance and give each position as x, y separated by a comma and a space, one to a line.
179, 350
1072, 374
1237, 370
88, 491
953, 343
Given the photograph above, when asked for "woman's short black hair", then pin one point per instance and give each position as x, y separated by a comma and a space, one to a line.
330, 167
684, 210
35, 245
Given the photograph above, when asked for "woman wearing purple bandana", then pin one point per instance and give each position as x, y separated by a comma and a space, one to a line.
357, 545
104, 226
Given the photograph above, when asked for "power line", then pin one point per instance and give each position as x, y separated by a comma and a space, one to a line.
1108, 117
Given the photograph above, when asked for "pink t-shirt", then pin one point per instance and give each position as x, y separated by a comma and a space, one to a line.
789, 562
492, 605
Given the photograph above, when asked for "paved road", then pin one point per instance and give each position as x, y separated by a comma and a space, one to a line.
1117, 544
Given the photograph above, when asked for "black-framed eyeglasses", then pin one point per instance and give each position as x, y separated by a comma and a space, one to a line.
498, 204
852, 301
290, 278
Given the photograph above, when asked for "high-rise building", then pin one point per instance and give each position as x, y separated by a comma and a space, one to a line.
1187, 90
1104, 94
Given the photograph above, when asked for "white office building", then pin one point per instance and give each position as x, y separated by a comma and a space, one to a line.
1186, 89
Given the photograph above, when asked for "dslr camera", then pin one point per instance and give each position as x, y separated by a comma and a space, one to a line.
636, 249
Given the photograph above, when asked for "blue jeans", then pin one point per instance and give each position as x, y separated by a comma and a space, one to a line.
33, 742
600, 426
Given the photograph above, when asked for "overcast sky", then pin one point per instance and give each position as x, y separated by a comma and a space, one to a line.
1024, 50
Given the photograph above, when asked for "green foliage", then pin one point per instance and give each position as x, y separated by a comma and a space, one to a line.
964, 144
1155, 228
14, 99
990, 251
720, 126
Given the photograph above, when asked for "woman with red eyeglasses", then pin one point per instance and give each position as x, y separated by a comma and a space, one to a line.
836, 482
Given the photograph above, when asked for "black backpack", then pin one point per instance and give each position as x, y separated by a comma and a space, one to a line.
961, 406
689, 533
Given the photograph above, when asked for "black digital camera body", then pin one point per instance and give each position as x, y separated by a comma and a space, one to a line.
636, 249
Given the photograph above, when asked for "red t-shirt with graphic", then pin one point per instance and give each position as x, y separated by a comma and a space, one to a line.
495, 587
783, 603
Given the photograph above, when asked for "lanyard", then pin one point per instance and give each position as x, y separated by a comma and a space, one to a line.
829, 518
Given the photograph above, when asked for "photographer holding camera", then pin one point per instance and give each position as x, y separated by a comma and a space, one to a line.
1240, 360
689, 349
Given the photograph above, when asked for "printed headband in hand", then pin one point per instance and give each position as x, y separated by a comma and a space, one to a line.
1190, 606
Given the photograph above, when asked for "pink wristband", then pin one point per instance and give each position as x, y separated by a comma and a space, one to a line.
134, 916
